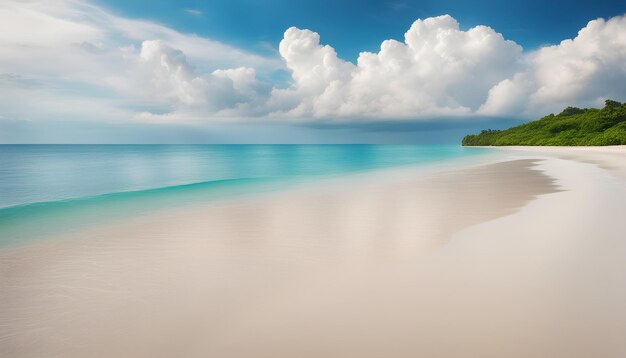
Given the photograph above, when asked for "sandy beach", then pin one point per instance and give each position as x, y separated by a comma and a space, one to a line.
520, 256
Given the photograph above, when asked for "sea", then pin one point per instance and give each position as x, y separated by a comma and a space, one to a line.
47, 190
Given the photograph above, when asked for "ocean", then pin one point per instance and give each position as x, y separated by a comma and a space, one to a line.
50, 189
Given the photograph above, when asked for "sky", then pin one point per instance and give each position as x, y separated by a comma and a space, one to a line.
244, 71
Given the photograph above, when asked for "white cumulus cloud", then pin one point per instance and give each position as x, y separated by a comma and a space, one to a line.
583, 71
437, 70
163, 78
440, 70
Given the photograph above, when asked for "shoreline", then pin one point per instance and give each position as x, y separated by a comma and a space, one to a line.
383, 264
347, 184
611, 158
68, 216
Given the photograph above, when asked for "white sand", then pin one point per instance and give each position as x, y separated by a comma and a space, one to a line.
429, 265
612, 158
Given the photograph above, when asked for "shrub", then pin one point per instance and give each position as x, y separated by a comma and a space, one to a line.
573, 126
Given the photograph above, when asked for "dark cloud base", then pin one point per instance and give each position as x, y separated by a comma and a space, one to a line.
439, 131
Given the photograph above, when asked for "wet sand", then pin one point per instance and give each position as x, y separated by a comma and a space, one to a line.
479, 261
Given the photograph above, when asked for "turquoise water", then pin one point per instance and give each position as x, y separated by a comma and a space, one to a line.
47, 189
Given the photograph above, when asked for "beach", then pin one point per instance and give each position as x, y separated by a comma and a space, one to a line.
520, 255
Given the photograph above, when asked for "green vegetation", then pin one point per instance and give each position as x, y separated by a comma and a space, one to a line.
572, 127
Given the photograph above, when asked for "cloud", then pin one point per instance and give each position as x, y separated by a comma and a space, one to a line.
79, 53
442, 71
314, 69
194, 12
101, 66
163, 77
583, 71
437, 70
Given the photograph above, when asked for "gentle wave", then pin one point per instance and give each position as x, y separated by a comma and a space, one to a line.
33, 220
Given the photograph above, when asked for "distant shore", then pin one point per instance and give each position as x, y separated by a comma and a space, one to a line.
572, 127
516, 257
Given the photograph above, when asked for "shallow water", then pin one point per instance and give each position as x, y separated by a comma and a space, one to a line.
45, 189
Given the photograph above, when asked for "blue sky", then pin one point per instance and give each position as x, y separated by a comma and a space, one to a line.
242, 71
353, 26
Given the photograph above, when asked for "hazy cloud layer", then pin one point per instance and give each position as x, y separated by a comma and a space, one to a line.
90, 64
72, 59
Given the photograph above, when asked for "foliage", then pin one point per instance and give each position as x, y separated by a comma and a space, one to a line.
572, 127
